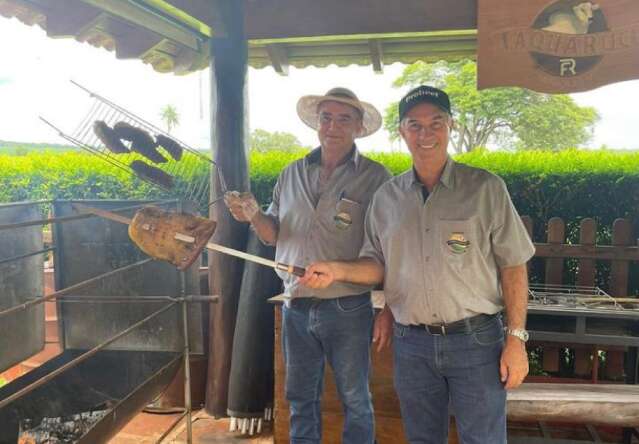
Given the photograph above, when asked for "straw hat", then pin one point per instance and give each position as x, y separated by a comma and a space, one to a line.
307, 109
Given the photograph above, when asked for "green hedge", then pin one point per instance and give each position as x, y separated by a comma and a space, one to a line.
570, 184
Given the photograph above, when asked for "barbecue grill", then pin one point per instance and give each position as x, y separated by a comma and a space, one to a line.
126, 323
581, 314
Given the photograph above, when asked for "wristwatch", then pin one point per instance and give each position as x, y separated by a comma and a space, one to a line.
519, 333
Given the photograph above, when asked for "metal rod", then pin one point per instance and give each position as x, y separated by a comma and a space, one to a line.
24, 256
93, 299
73, 287
51, 220
141, 120
83, 357
171, 428
26, 203
187, 363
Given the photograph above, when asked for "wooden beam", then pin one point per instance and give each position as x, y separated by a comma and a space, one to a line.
68, 20
132, 41
134, 13
206, 11
279, 58
229, 68
377, 58
601, 252
300, 18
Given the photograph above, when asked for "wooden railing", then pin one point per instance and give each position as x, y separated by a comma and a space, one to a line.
623, 250
620, 253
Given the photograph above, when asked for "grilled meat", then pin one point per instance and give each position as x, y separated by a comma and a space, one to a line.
153, 230
108, 137
141, 141
170, 145
154, 174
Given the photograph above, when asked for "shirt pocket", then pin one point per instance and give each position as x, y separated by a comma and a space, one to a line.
348, 217
458, 241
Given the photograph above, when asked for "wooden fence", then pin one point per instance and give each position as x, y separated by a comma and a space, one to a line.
554, 250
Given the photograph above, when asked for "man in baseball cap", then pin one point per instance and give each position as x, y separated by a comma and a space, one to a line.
451, 250
317, 213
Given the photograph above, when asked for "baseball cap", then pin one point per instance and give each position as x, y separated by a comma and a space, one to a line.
423, 94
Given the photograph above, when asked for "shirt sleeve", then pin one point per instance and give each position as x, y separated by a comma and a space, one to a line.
273, 209
510, 242
372, 247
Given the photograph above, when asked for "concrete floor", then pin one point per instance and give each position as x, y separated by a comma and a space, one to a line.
148, 428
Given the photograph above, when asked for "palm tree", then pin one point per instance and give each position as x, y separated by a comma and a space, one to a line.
170, 117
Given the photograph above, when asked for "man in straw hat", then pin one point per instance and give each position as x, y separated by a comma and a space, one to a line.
452, 251
317, 213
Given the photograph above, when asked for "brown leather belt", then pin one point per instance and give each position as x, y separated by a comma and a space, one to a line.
467, 325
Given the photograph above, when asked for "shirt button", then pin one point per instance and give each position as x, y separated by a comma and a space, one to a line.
434, 315
427, 230
426, 258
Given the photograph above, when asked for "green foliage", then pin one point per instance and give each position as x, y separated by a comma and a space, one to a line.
41, 176
508, 117
170, 117
263, 141
570, 184
554, 121
22, 148
265, 167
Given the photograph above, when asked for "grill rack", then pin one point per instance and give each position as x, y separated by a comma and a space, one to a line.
190, 184
575, 296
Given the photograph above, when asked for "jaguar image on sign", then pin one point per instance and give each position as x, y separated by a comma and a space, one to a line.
560, 46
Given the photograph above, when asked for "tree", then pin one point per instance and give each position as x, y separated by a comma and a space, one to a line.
262, 140
170, 117
507, 117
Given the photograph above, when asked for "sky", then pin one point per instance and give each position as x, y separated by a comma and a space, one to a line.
36, 71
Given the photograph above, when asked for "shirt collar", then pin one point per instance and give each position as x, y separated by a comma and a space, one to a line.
315, 156
447, 177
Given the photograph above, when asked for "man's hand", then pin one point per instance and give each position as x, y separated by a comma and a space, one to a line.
242, 206
383, 328
513, 366
320, 275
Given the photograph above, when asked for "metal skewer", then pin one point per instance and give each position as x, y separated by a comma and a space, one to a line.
297, 271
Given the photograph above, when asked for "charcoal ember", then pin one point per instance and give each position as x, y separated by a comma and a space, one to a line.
108, 137
141, 141
59, 430
171, 146
154, 174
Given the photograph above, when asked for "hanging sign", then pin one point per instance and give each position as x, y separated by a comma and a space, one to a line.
557, 47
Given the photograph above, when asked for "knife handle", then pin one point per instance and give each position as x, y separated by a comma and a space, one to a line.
297, 271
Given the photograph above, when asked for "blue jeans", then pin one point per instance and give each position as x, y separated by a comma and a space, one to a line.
338, 331
461, 369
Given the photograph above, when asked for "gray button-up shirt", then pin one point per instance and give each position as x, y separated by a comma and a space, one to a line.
442, 255
318, 223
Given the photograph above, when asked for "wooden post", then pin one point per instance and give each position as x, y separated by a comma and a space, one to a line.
586, 277
229, 56
555, 266
621, 236
587, 267
554, 275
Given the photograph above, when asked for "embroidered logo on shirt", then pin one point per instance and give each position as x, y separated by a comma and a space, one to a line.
343, 220
457, 243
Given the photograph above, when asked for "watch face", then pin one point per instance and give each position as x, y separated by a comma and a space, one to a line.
520, 334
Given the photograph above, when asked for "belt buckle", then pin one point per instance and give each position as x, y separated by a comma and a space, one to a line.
438, 330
